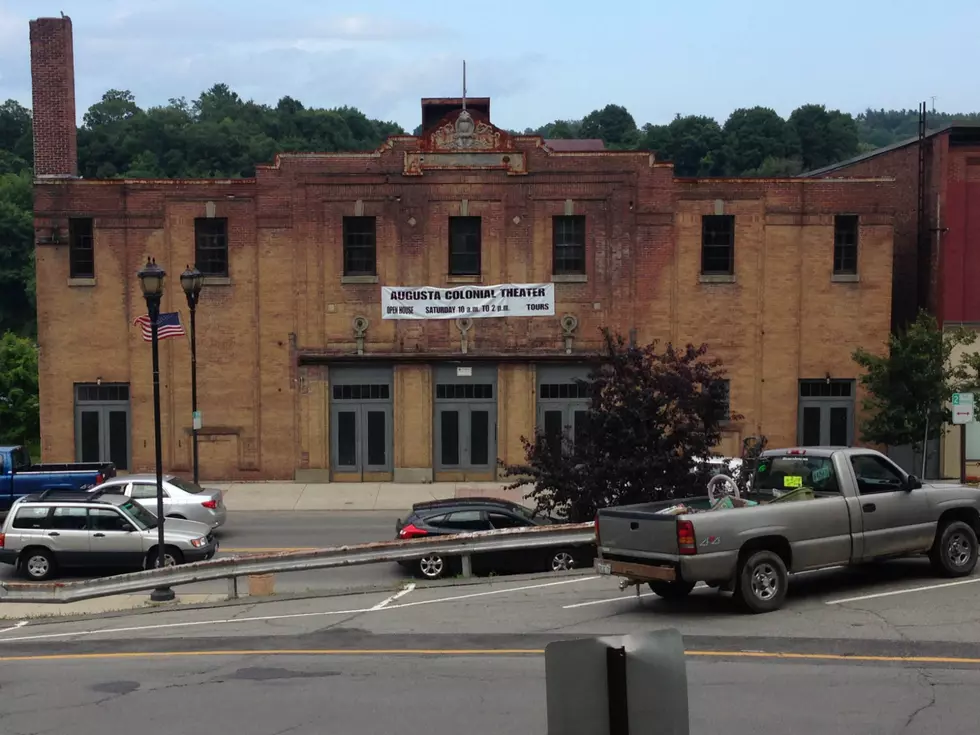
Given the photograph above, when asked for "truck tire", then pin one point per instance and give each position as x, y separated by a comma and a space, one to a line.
762, 582
676, 590
954, 553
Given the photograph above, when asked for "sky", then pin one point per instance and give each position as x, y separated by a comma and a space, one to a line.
538, 61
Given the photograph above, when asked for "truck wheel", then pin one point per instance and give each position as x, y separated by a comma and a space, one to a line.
762, 582
954, 554
676, 590
38, 564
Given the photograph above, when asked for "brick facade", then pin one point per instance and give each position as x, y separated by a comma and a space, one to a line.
277, 333
53, 77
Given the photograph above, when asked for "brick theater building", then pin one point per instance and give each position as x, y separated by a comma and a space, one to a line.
323, 350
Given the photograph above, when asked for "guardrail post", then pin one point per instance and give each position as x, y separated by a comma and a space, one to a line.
232, 588
467, 566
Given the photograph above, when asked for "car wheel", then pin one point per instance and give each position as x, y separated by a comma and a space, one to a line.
431, 566
954, 553
38, 564
676, 590
562, 561
762, 582
171, 557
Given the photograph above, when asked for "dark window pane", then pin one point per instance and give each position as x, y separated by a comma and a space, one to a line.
32, 517
338, 393
718, 244
119, 439
104, 519
466, 520
720, 391
81, 248
500, 520
376, 440
69, 519
811, 426
580, 425
464, 246
480, 437
441, 391
568, 245
91, 439
553, 429
385, 392
449, 433
346, 439
875, 475
360, 238
838, 426
211, 245
845, 244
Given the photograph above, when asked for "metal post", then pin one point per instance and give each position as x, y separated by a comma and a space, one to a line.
962, 454
192, 303
467, 564
232, 588
160, 594
619, 716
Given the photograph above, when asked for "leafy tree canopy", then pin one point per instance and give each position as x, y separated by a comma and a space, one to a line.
19, 408
908, 388
652, 414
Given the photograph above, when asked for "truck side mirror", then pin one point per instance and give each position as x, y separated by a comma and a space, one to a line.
913, 483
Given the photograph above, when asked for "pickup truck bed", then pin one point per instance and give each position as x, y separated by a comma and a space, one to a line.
19, 476
816, 508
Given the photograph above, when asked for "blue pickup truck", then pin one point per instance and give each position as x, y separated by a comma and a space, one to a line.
19, 476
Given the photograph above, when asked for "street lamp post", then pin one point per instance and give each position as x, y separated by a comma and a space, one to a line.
151, 282
191, 280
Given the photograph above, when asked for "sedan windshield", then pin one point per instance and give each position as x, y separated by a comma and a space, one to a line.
186, 486
143, 518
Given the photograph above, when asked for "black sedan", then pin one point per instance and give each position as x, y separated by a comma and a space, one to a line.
462, 515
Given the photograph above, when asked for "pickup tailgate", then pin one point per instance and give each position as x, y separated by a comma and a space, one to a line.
638, 531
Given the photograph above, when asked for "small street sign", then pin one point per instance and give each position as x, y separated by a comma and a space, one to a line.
197, 425
962, 399
963, 408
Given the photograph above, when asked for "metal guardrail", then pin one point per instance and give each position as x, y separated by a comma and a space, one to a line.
463, 544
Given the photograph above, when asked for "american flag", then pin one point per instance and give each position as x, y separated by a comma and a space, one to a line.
168, 325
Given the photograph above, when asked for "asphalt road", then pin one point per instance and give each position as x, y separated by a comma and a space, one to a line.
882, 650
254, 532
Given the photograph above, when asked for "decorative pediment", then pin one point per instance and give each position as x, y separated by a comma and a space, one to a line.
463, 131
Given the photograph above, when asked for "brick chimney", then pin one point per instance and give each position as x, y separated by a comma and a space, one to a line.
53, 83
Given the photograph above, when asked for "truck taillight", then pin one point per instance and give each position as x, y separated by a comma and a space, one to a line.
99, 478
1, 540
686, 543
596, 523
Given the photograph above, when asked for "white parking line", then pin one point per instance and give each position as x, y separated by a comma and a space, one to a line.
21, 624
926, 588
398, 595
262, 618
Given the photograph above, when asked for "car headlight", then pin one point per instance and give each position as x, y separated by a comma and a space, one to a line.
199, 542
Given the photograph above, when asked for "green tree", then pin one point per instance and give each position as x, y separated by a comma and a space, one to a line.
17, 306
651, 414
754, 135
908, 388
613, 124
694, 144
20, 421
826, 136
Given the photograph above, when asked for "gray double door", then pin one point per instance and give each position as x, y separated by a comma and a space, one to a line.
563, 403
465, 417
102, 424
361, 402
826, 413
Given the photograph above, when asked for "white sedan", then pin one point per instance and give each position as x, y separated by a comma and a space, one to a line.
181, 498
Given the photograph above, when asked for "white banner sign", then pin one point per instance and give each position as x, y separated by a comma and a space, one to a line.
473, 302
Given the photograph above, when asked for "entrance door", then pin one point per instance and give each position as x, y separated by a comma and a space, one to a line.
826, 413
466, 422
361, 423
102, 424
563, 403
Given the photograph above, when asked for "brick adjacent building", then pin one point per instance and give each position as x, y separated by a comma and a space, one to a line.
302, 376
937, 249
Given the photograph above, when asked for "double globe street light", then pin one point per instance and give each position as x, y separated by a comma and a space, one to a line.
192, 280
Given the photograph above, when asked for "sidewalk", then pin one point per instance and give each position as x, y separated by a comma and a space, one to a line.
356, 496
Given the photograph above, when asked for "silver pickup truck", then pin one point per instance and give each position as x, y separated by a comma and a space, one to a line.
810, 508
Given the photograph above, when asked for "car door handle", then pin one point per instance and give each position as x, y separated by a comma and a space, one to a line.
54, 533
869, 507
98, 535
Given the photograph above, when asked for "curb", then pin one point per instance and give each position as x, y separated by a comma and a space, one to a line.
54, 618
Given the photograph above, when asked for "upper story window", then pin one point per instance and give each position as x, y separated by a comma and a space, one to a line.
360, 246
81, 248
465, 244
211, 246
846, 245
568, 250
718, 245
721, 391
